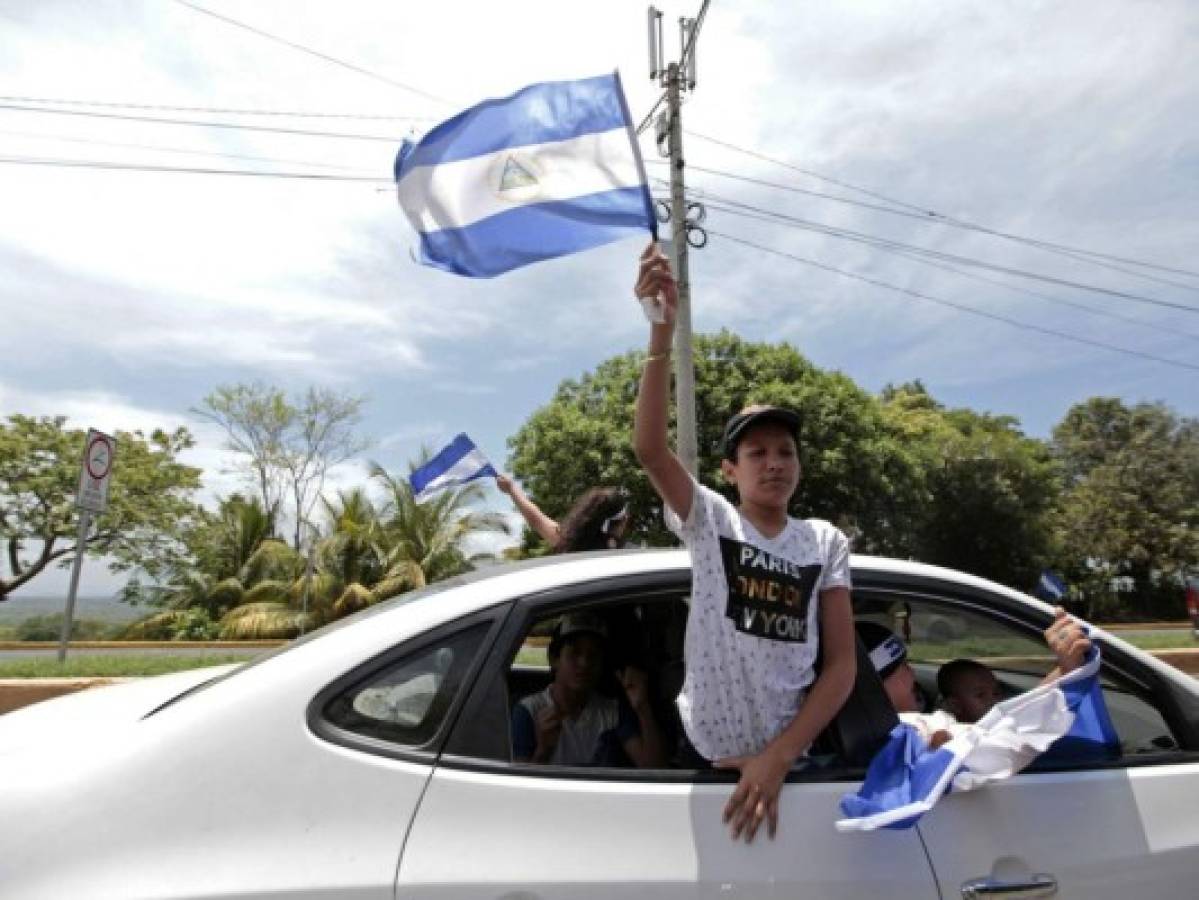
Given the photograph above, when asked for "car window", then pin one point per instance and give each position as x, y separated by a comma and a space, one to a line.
406, 702
937, 632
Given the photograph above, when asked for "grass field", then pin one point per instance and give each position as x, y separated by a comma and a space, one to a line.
111, 665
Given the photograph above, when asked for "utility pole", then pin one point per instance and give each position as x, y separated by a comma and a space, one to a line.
676, 78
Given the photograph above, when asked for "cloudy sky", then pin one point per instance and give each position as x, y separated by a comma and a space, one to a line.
128, 295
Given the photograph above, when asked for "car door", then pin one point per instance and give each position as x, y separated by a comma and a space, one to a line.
1117, 829
488, 827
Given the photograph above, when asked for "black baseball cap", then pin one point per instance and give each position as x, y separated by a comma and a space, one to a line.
754, 415
883, 646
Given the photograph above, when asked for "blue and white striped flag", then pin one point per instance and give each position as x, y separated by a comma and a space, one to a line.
551, 170
459, 462
1065, 719
1050, 587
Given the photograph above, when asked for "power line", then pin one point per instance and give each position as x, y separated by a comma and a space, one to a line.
870, 240
324, 56
180, 150
974, 276
237, 126
1015, 323
649, 115
949, 220
233, 111
182, 170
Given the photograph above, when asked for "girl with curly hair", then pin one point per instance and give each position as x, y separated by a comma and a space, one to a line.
597, 520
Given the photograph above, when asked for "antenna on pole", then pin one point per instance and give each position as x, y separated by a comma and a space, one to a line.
655, 42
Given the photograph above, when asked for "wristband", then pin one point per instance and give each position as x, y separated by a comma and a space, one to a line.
654, 357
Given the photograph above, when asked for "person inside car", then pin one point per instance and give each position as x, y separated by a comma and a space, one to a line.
598, 520
768, 591
889, 656
968, 689
571, 723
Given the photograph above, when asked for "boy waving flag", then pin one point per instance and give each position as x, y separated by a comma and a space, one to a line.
551, 170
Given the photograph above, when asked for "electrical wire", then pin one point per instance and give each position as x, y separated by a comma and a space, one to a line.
1015, 323
649, 115
1092, 255
319, 55
183, 170
870, 240
974, 276
178, 150
237, 126
232, 111
691, 39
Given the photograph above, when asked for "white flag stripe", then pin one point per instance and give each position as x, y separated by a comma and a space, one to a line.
457, 194
460, 471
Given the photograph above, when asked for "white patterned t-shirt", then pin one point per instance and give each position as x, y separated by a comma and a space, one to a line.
753, 629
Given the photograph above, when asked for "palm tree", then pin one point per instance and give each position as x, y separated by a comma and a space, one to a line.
426, 542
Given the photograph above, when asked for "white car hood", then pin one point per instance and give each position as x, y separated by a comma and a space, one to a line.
87, 716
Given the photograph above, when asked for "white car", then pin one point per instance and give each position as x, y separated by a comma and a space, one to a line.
372, 760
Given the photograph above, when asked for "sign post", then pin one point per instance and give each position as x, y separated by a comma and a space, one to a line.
91, 499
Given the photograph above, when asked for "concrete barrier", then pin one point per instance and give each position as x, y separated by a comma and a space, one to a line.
18, 692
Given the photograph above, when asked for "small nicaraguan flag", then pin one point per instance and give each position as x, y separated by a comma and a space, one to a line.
459, 462
1065, 719
1050, 587
551, 170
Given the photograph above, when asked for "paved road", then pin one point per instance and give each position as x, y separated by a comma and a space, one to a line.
39, 652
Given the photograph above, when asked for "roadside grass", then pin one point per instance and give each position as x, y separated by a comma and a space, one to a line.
1174, 640
112, 665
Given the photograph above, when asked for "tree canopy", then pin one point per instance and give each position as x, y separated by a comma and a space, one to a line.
150, 501
902, 474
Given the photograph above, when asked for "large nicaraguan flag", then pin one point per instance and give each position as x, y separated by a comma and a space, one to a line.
551, 170
458, 462
1066, 718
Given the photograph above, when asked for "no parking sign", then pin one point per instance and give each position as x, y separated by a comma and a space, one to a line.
98, 455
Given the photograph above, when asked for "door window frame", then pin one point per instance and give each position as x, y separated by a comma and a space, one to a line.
361, 675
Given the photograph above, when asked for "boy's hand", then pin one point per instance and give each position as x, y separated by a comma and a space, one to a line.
1067, 640
756, 797
505, 484
655, 282
636, 687
549, 727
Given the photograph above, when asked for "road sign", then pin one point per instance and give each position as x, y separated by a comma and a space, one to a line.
96, 471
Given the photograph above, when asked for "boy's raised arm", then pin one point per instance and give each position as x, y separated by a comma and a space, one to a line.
666, 472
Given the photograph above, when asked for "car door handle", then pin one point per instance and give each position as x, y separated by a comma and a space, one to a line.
1032, 886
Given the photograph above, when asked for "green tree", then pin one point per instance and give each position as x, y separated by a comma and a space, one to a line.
986, 489
150, 500
287, 445
1129, 515
855, 472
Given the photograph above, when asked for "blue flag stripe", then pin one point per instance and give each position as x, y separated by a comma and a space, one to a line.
538, 114
459, 447
532, 233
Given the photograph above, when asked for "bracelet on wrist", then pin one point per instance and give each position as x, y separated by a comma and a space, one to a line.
654, 357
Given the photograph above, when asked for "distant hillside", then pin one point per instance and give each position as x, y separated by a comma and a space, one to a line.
105, 609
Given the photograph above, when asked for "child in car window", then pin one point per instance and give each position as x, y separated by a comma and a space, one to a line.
768, 591
889, 657
968, 689
570, 723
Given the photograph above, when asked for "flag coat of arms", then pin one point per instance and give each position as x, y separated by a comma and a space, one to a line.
553, 169
1064, 718
457, 463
